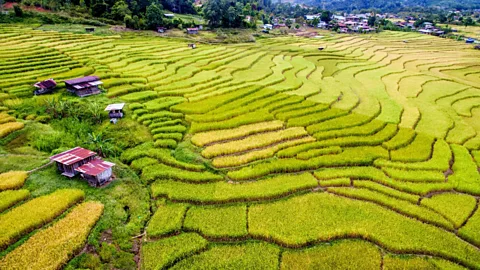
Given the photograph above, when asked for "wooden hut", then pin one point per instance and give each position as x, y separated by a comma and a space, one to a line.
115, 111
69, 161
97, 172
85, 86
44, 87
192, 31
89, 29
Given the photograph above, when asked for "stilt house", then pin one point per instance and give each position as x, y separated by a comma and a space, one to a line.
44, 87
86, 163
85, 86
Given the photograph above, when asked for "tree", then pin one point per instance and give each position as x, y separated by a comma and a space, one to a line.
100, 144
214, 12
119, 10
468, 21
315, 21
326, 16
288, 23
371, 20
154, 15
18, 11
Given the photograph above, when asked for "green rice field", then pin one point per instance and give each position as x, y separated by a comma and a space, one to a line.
267, 155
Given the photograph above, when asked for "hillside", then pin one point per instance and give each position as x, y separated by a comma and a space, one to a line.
268, 155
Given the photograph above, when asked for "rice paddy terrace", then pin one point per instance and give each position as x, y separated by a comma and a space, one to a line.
362, 155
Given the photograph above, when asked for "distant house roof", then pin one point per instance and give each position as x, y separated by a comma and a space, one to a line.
117, 106
169, 15
46, 84
95, 167
72, 156
86, 79
192, 29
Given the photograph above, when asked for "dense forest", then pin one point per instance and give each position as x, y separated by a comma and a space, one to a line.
393, 6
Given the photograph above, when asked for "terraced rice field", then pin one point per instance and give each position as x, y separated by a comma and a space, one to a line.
362, 155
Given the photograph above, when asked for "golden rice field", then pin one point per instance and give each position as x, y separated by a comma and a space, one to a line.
362, 155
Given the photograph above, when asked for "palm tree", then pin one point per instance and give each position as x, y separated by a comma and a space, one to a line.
101, 145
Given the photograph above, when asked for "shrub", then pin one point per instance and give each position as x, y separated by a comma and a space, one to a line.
18, 11
55, 245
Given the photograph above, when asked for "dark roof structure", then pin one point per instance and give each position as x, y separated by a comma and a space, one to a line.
72, 156
86, 79
95, 167
46, 84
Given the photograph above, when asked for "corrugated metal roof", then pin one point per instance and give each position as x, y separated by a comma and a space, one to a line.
117, 106
72, 156
82, 80
46, 84
95, 167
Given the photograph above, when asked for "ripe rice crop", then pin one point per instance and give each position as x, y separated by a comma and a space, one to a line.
52, 247
10, 127
36, 213
252, 142
204, 138
11, 197
12, 180
237, 160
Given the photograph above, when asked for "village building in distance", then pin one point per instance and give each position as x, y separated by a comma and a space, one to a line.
86, 163
85, 86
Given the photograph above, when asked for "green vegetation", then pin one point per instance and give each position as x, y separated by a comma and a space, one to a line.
167, 219
243, 256
229, 221
346, 254
162, 253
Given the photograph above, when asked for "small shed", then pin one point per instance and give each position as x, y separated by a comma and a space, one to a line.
470, 40
192, 45
115, 111
161, 29
44, 87
85, 86
89, 29
192, 31
97, 172
68, 161
169, 15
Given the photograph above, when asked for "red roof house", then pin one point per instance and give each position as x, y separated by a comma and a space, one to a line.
97, 172
84, 162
